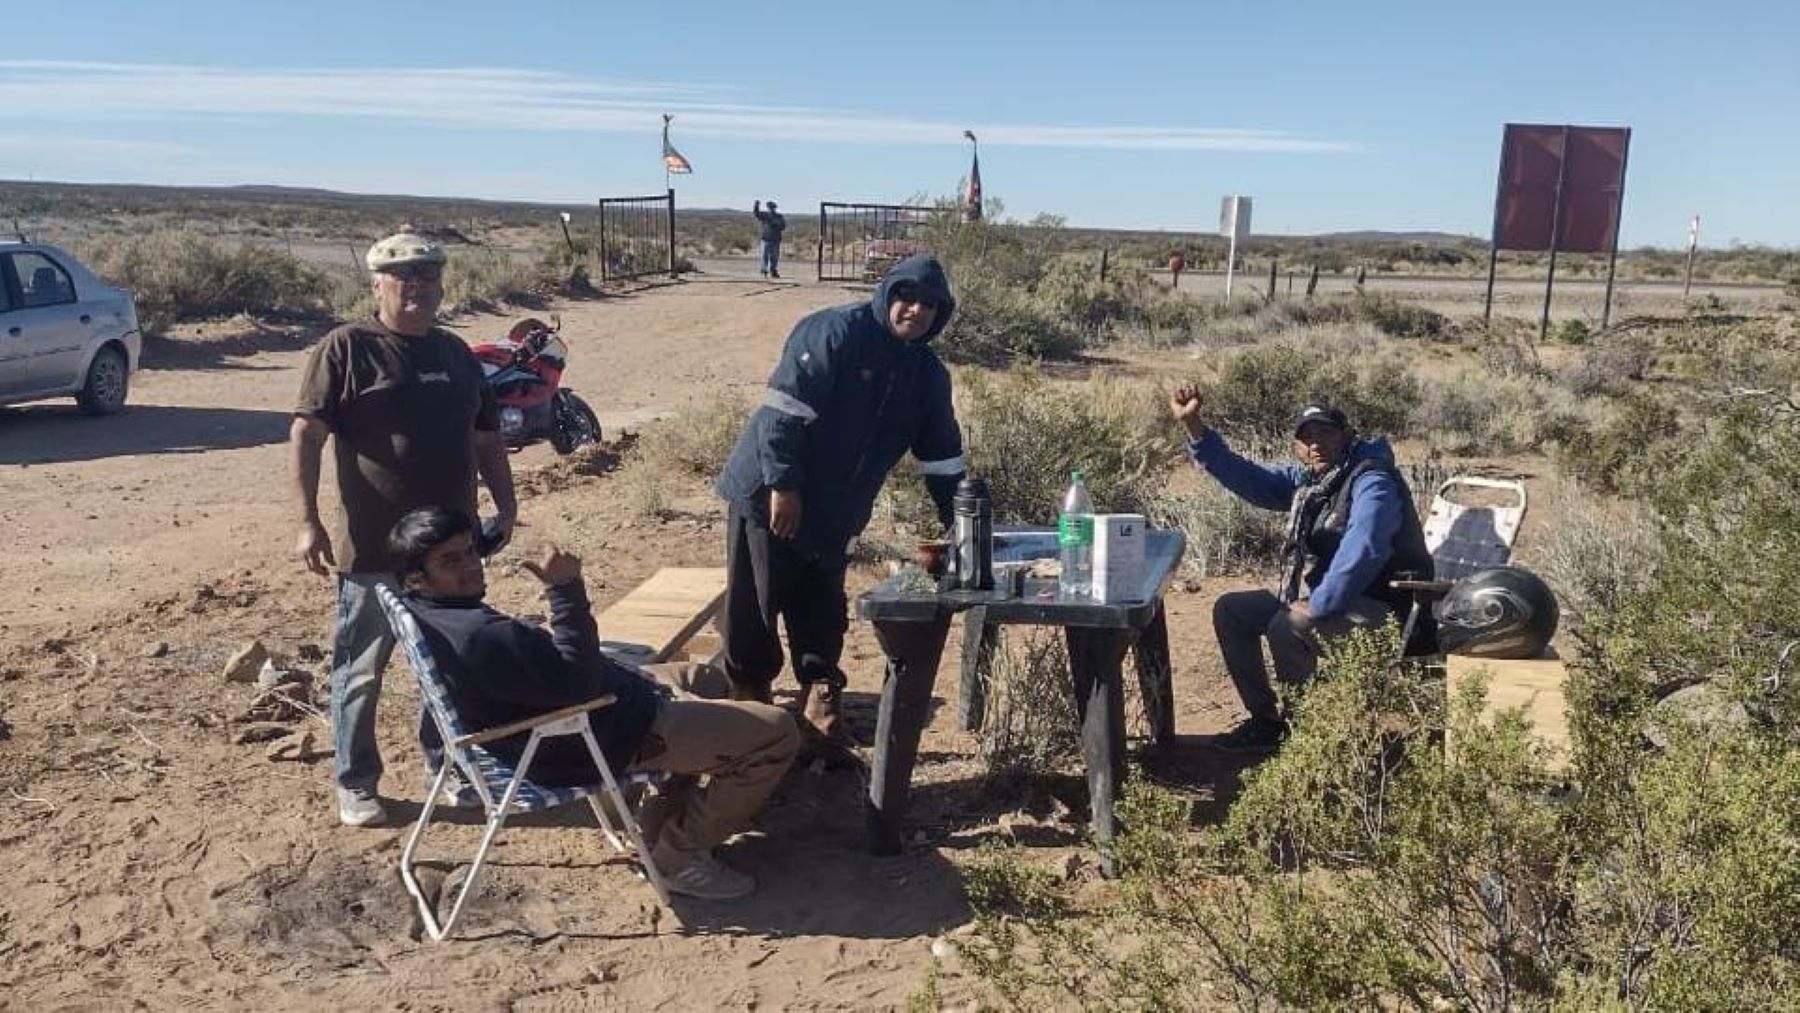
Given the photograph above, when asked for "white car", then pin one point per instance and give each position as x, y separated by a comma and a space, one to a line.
63, 331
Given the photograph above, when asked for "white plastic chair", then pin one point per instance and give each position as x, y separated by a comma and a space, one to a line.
503, 789
1462, 538
1466, 537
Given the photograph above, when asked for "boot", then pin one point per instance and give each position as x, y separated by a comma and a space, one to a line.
822, 706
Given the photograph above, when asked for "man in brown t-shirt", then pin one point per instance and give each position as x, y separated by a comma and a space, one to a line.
413, 425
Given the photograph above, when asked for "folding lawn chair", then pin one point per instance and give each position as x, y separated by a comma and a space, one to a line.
504, 790
1463, 537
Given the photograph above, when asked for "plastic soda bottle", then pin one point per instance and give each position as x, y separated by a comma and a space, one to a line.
1075, 536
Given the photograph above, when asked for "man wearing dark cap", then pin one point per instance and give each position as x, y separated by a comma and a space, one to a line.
857, 388
412, 424
1352, 529
773, 225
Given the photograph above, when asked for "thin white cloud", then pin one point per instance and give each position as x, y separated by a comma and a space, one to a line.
493, 98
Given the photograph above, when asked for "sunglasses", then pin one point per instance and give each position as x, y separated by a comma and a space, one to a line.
912, 294
416, 272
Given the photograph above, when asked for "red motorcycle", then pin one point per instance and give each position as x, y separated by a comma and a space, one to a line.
525, 370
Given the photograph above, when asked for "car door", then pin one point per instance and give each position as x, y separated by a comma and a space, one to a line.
44, 335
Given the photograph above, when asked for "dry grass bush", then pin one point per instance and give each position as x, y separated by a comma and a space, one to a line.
483, 279
698, 442
1598, 554
1260, 387
1478, 411
1609, 365
1030, 725
175, 275
1225, 535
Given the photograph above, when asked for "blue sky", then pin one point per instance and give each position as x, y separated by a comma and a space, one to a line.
1333, 116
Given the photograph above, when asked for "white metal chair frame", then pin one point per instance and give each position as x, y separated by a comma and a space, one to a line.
491, 775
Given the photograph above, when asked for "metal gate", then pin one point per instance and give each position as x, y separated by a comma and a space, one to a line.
859, 242
637, 236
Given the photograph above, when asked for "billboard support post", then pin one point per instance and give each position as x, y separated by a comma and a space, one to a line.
1556, 209
1612, 259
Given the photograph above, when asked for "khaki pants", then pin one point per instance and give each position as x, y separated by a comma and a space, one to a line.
741, 749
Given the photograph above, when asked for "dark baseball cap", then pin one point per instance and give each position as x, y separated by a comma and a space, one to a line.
1321, 413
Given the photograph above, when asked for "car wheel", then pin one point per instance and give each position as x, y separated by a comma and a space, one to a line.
108, 381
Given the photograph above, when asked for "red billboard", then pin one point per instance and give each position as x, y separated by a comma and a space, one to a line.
1561, 180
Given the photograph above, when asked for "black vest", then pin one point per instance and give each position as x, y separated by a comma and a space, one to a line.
1324, 531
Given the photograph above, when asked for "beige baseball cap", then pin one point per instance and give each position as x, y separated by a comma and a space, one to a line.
404, 248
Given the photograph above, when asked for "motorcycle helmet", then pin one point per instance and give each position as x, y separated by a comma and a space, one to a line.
525, 329
1502, 612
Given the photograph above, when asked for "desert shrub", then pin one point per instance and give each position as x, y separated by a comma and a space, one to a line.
1259, 389
1030, 725
1616, 449
1573, 331
996, 326
178, 275
1476, 411
1609, 365
483, 278
1597, 555
1024, 434
698, 442
1397, 319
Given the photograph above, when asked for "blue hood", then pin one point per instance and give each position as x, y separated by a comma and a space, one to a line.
923, 270
1374, 448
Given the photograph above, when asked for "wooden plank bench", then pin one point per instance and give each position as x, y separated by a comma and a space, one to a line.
1535, 685
663, 615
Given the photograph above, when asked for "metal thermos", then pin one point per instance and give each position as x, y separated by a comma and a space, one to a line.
974, 535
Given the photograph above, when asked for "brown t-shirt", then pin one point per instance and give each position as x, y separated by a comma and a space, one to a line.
403, 413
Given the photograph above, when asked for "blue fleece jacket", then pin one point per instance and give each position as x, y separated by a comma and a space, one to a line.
846, 401
1375, 518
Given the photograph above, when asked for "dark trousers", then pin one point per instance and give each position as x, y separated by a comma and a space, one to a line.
1242, 620
767, 578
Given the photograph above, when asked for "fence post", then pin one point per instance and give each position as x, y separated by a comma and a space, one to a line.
604, 266
672, 273
1274, 264
1312, 283
1104, 253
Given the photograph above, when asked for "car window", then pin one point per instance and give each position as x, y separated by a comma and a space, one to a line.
5, 291
42, 281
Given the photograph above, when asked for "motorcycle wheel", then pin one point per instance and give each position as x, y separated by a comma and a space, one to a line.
576, 424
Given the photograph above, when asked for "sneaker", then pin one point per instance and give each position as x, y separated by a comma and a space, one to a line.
706, 877
358, 807
1254, 735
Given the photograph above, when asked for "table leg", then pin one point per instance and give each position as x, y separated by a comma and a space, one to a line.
1096, 661
1155, 678
979, 640
913, 651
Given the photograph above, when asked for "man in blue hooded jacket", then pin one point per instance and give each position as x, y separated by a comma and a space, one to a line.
857, 387
1352, 529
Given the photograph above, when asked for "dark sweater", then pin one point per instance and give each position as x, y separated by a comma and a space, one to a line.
498, 669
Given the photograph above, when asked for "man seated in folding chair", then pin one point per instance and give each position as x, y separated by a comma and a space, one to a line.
498, 670
1352, 529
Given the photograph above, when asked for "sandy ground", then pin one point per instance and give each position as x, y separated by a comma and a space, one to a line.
146, 860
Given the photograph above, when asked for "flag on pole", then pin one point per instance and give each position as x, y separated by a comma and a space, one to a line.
972, 193
673, 161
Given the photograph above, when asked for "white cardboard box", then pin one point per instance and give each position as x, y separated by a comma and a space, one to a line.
1118, 557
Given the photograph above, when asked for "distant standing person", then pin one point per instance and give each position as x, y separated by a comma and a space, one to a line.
857, 388
1177, 264
412, 424
773, 225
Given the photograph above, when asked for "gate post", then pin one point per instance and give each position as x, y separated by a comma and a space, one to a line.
672, 273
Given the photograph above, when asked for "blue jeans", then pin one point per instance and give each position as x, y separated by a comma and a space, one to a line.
771, 255
361, 646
